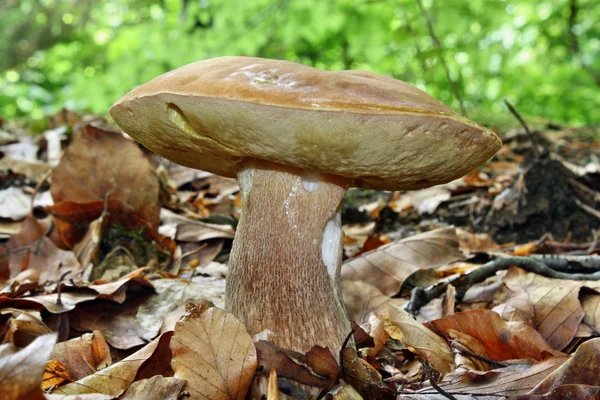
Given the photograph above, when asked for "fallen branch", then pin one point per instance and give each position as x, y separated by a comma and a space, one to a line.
539, 265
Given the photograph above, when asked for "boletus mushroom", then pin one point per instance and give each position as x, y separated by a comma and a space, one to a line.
297, 138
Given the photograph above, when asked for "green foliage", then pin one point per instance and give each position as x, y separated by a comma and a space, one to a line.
85, 54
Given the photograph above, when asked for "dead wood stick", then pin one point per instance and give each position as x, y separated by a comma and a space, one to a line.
420, 297
514, 112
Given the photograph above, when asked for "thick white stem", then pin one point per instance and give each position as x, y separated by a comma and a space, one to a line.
284, 266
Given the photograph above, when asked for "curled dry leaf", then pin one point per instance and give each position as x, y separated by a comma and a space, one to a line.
419, 339
91, 396
173, 294
55, 375
21, 370
45, 257
590, 302
317, 368
215, 354
84, 355
513, 380
117, 378
363, 300
362, 376
387, 267
502, 340
97, 163
23, 326
156, 388
552, 305
347, 392
117, 322
581, 368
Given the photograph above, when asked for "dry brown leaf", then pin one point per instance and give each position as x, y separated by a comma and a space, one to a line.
554, 304
513, 380
188, 230
347, 392
21, 370
502, 340
362, 376
46, 258
294, 366
215, 354
84, 355
387, 267
23, 326
92, 396
172, 294
116, 321
590, 303
272, 389
571, 392
463, 342
73, 295
419, 339
363, 300
581, 368
156, 388
55, 375
116, 379
475, 242
97, 163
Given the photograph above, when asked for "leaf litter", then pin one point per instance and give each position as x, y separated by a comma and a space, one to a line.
127, 263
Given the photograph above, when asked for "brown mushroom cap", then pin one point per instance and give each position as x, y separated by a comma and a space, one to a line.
381, 132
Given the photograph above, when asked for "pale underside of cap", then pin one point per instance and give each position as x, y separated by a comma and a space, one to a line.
383, 133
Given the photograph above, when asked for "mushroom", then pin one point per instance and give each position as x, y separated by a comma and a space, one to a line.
297, 138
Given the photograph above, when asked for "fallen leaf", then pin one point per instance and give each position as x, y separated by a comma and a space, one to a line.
84, 355
214, 353
55, 375
502, 340
347, 392
116, 321
91, 396
172, 294
387, 267
552, 304
188, 230
513, 380
21, 370
572, 392
419, 339
295, 366
272, 389
581, 368
14, 204
362, 376
590, 302
34, 170
363, 300
51, 262
475, 242
156, 388
115, 379
23, 326
98, 163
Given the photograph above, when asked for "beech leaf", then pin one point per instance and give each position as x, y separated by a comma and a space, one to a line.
387, 267
215, 354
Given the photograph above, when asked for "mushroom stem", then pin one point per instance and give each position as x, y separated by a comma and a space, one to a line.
285, 262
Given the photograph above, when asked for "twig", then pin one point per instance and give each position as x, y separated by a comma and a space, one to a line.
514, 112
421, 297
432, 375
440, 49
462, 350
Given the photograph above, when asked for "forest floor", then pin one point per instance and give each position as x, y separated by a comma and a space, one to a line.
487, 287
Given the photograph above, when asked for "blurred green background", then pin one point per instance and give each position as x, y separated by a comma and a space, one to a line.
543, 56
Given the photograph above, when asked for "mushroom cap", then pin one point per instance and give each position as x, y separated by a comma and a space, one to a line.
381, 132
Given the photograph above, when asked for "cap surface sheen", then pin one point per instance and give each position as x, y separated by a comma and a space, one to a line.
383, 133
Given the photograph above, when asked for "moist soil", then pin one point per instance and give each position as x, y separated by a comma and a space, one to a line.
544, 199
